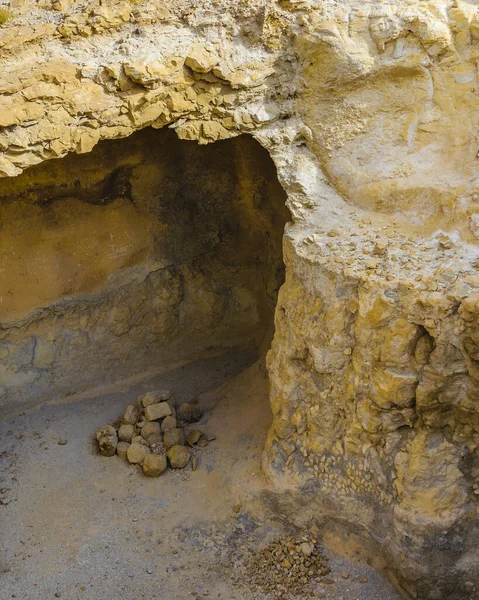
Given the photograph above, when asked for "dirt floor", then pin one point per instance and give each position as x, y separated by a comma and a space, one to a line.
80, 526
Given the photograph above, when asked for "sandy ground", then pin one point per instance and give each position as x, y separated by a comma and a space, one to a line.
79, 526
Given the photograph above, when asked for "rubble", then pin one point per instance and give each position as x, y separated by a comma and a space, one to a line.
286, 567
148, 435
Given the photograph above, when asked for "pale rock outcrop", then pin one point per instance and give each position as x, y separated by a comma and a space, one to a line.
370, 112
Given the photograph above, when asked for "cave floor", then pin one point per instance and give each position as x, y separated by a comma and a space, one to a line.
79, 526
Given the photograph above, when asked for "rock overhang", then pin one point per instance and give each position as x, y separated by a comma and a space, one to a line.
369, 113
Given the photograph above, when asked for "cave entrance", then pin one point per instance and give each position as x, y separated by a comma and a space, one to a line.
145, 251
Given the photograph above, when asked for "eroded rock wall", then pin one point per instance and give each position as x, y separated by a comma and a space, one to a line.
370, 113
143, 252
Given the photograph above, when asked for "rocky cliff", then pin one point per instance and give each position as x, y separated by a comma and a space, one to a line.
370, 112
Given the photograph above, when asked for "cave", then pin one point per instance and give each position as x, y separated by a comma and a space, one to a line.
145, 252
270, 210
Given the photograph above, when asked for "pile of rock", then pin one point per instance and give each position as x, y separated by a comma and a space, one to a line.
152, 434
286, 567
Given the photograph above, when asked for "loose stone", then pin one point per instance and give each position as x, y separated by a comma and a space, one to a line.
107, 430
281, 569
173, 437
178, 456
306, 549
132, 414
126, 433
152, 437
136, 453
155, 439
154, 465
149, 428
189, 412
122, 449
139, 439
157, 411
193, 437
107, 444
155, 397
168, 422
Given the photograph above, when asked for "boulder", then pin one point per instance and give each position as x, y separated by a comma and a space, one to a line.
189, 412
106, 430
154, 465
149, 428
154, 412
122, 449
193, 437
132, 414
154, 440
139, 439
108, 444
169, 422
155, 397
126, 432
178, 456
107, 440
173, 437
137, 453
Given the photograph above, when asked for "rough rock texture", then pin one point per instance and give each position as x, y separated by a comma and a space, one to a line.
370, 113
141, 252
178, 456
137, 452
154, 465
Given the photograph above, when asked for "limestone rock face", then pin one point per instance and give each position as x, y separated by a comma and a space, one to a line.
370, 113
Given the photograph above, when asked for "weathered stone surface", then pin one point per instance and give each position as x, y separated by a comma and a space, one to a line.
126, 433
107, 443
173, 437
189, 412
106, 430
139, 439
154, 397
178, 457
136, 453
154, 465
122, 449
158, 411
150, 428
168, 423
201, 59
370, 112
132, 414
115, 335
154, 440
